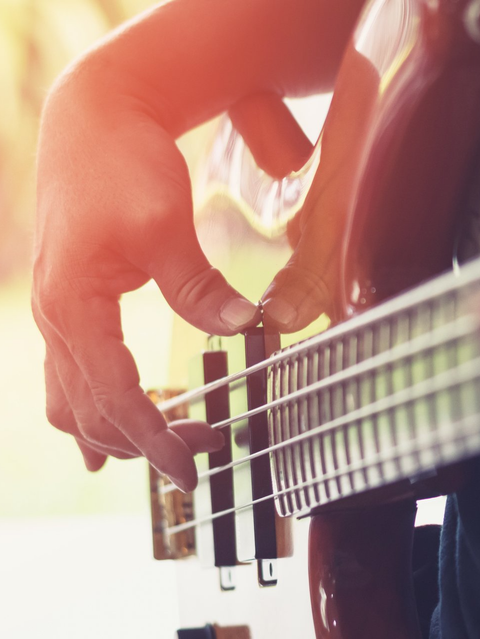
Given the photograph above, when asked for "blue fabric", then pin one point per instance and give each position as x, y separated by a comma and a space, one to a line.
457, 615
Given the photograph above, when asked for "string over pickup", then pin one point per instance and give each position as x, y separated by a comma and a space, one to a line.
215, 536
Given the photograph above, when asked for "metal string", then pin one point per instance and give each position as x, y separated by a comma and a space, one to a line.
429, 291
439, 337
460, 430
449, 379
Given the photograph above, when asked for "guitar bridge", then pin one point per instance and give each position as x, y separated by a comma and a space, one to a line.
170, 507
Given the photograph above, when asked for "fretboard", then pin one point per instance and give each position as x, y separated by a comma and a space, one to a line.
389, 395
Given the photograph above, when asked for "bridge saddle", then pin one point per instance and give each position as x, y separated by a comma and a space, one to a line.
170, 508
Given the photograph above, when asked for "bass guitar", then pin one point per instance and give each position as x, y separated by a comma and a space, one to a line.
331, 439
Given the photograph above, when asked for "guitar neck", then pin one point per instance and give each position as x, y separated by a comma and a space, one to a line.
390, 395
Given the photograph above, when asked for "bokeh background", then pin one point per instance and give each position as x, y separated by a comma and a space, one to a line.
75, 549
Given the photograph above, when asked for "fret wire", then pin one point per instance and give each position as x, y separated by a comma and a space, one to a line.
312, 364
448, 333
291, 420
431, 290
429, 366
410, 412
347, 357
360, 357
332, 398
275, 433
323, 406
392, 416
302, 408
374, 395
470, 423
283, 423
466, 372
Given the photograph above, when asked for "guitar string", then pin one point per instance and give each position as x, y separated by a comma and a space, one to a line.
439, 337
422, 294
461, 430
468, 372
347, 470
421, 344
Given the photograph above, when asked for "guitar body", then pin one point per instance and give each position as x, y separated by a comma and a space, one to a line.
397, 163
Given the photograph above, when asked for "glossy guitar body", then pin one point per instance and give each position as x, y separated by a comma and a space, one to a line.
398, 165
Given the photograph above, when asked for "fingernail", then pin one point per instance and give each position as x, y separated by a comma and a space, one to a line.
237, 313
183, 485
280, 311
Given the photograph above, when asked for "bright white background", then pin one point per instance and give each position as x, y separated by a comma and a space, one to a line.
75, 547
79, 577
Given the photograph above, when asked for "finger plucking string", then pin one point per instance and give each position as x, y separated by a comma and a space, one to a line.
92, 330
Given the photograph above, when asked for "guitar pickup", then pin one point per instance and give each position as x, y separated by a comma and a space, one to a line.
261, 534
214, 494
231, 516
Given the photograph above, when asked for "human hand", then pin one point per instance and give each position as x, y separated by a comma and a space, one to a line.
114, 210
114, 202
311, 282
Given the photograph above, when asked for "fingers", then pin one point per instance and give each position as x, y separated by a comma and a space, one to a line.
294, 299
94, 461
198, 436
109, 406
272, 134
161, 241
58, 410
60, 414
70, 405
305, 287
172, 255
94, 392
201, 295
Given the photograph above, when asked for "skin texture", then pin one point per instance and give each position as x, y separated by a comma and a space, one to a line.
115, 206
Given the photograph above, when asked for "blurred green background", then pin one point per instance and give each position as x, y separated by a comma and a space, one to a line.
41, 472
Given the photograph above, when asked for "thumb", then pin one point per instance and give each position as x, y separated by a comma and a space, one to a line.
304, 288
272, 134
197, 291
162, 243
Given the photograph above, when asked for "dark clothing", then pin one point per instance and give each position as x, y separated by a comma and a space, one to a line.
426, 543
457, 615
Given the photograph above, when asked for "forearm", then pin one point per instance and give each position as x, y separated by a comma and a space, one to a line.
188, 60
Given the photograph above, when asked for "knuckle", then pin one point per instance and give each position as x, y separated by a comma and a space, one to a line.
92, 429
106, 401
106, 395
308, 280
196, 285
47, 296
316, 284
